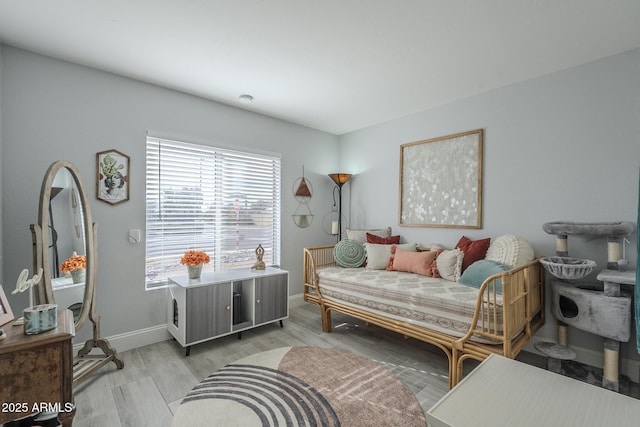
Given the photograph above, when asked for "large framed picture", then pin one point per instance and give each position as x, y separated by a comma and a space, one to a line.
441, 181
6, 315
112, 184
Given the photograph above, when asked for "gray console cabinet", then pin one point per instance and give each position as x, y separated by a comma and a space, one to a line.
271, 299
224, 303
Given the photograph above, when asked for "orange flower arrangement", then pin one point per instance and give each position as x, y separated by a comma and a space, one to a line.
75, 262
194, 258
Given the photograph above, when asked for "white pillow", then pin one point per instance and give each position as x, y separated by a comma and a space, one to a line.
360, 234
378, 255
449, 264
510, 250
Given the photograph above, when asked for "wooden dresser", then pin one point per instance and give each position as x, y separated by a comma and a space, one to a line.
36, 371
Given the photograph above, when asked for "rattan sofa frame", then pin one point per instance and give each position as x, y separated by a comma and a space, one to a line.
522, 307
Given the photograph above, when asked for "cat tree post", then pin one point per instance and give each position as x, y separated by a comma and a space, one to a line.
613, 279
562, 249
559, 351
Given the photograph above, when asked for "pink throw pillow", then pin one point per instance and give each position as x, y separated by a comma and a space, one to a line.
413, 262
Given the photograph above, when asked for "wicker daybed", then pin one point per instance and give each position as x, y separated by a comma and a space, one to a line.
504, 322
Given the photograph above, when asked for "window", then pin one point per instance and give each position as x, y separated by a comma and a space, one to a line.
219, 201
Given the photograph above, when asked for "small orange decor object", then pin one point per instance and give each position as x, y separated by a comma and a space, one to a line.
75, 262
194, 258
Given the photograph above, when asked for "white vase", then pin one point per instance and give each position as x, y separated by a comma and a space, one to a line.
194, 271
79, 275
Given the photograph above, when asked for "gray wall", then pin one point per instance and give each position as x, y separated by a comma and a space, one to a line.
561, 147
56, 110
564, 146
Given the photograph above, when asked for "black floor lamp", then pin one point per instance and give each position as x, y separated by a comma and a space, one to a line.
340, 179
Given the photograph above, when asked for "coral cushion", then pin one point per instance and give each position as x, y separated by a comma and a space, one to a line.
378, 255
474, 250
413, 262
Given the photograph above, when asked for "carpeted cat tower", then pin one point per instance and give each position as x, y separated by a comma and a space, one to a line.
604, 309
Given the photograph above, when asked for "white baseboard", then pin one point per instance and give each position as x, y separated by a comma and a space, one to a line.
628, 367
135, 339
158, 333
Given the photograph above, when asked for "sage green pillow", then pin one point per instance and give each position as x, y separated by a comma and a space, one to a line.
349, 253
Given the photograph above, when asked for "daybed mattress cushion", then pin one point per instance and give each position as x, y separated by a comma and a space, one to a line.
433, 303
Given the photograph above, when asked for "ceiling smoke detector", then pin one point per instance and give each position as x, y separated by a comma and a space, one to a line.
245, 99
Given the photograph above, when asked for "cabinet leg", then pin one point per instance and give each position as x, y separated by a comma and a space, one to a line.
187, 351
239, 335
281, 324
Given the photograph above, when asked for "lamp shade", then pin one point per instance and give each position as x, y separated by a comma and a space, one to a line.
340, 178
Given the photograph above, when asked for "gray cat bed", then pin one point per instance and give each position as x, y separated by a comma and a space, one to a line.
568, 268
566, 228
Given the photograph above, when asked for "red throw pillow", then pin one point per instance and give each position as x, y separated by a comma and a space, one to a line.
474, 250
391, 240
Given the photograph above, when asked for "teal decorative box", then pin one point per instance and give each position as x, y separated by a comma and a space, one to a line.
40, 318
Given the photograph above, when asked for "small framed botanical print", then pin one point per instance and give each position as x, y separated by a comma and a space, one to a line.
112, 181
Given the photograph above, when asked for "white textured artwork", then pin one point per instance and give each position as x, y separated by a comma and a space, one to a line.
441, 181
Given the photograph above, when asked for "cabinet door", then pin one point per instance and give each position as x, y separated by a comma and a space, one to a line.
208, 311
272, 298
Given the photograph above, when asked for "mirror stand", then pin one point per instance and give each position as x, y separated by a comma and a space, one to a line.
71, 204
85, 363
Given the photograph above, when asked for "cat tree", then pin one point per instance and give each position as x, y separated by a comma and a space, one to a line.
601, 310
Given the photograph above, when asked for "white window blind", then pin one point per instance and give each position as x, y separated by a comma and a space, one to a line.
215, 200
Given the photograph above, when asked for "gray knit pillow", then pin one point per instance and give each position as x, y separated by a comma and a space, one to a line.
349, 253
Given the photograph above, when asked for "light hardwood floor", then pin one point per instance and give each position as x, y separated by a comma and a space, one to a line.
156, 377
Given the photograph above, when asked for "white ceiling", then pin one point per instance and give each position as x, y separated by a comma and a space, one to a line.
333, 65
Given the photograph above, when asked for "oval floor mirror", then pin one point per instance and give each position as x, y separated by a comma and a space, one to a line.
65, 248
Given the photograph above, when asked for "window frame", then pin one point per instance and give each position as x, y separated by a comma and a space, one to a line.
251, 181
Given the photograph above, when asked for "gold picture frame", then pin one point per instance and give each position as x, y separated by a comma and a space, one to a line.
441, 181
112, 176
6, 315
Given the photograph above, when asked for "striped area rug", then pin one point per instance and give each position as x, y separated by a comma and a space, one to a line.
301, 386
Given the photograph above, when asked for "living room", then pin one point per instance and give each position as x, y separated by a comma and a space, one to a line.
562, 145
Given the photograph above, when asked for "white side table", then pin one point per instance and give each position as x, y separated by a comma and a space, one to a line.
505, 392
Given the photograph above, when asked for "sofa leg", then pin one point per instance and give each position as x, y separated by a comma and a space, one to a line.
326, 319
453, 368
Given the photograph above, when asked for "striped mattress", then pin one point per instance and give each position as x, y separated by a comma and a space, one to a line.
433, 303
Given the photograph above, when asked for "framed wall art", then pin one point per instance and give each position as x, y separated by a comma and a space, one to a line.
6, 315
441, 181
112, 184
